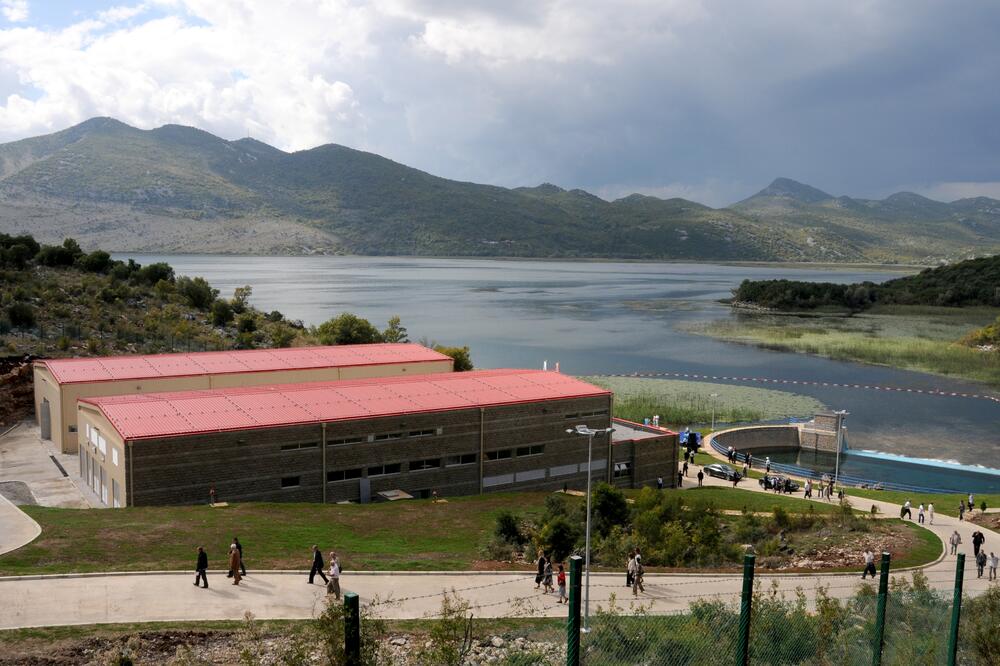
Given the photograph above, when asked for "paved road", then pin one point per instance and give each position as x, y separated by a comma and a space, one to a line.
16, 527
87, 599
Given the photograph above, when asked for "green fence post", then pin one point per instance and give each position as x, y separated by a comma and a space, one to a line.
743, 646
956, 610
883, 597
352, 630
573, 622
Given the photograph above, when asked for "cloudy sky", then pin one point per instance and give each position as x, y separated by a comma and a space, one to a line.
707, 99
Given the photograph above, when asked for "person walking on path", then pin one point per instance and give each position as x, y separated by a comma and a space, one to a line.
954, 540
628, 568
701, 477
905, 511
736, 479
317, 566
977, 542
637, 573
807, 489
994, 561
333, 587
961, 509
680, 479
540, 570
869, 564
547, 582
972, 504
234, 564
980, 563
750, 460
920, 513
685, 468
745, 470
561, 580
930, 511
200, 567
239, 547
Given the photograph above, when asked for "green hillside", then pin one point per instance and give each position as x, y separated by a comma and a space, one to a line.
171, 188
975, 282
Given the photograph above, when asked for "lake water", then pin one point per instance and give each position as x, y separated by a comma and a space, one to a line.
521, 313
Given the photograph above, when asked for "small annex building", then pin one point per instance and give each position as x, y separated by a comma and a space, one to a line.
450, 433
60, 383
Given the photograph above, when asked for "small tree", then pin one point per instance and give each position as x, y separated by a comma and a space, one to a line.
241, 298
222, 313
347, 329
609, 508
450, 636
461, 356
395, 332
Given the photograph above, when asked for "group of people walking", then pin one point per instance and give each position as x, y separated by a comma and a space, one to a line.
238, 569
544, 577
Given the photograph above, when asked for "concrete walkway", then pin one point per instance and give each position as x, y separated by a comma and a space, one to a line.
16, 527
30, 601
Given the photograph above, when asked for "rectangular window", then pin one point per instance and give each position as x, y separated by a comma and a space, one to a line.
72, 428
422, 433
83, 463
116, 493
102, 444
501, 454
499, 480
599, 412
463, 459
574, 415
343, 441
622, 469
382, 470
104, 487
430, 463
87, 430
563, 470
530, 475
534, 450
114, 456
289, 482
343, 475
387, 436
296, 447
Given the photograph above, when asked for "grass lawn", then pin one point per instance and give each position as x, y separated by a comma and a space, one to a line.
407, 535
927, 547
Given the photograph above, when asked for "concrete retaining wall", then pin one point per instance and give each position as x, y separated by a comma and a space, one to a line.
781, 437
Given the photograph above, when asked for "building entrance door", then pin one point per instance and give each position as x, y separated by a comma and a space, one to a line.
45, 419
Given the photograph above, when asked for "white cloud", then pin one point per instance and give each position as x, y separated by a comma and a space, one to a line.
120, 13
15, 11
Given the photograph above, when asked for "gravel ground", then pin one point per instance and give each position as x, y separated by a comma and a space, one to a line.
17, 492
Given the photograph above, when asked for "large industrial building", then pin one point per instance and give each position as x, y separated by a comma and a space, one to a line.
60, 383
361, 439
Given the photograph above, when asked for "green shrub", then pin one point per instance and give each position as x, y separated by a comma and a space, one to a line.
21, 315
197, 292
347, 329
97, 261
508, 528
558, 538
222, 313
608, 508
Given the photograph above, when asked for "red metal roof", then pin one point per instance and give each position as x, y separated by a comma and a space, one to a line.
143, 416
154, 366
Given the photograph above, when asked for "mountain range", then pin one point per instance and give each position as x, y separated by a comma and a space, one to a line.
180, 189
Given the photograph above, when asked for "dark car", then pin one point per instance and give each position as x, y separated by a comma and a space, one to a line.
720, 471
770, 481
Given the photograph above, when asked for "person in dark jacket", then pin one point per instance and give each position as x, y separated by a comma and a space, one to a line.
317, 566
201, 567
239, 547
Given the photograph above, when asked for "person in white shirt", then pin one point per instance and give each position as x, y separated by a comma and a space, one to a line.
869, 564
930, 510
920, 513
905, 511
333, 587
954, 540
994, 561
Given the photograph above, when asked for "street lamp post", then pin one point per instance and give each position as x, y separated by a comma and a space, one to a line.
713, 396
589, 433
841, 415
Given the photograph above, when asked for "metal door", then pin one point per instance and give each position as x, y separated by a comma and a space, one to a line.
45, 420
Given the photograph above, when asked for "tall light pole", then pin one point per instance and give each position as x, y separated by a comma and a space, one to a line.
713, 396
841, 416
589, 433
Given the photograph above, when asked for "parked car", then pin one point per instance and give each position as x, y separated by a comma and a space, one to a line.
769, 481
720, 471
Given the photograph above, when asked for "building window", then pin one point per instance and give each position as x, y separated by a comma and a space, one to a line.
501, 454
463, 459
104, 487
289, 482
343, 441
382, 470
114, 456
102, 444
387, 436
430, 463
534, 450
530, 475
296, 447
116, 494
343, 475
599, 412
423, 433
622, 469
72, 428
499, 480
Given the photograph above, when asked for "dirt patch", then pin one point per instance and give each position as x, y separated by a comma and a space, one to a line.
988, 520
17, 398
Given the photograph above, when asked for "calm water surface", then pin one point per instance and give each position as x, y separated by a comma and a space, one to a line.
584, 315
